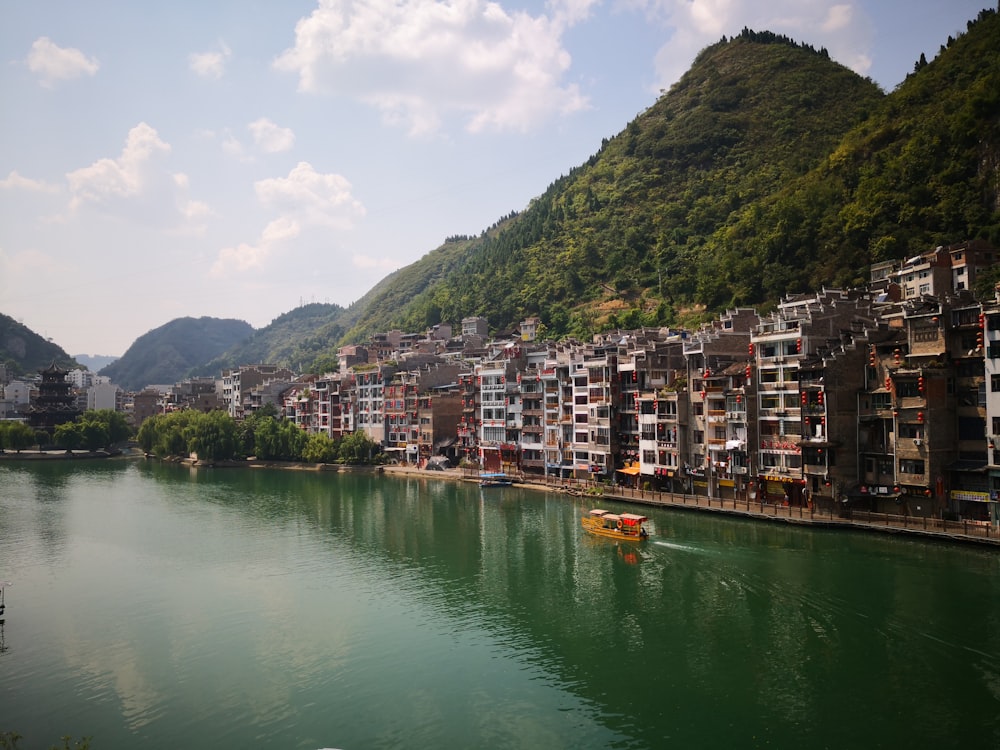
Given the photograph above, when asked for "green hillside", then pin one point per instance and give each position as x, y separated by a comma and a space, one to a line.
301, 339
24, 352
767, 169
169, 353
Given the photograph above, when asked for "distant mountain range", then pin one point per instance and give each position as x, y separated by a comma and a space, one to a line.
767, 170
94, 362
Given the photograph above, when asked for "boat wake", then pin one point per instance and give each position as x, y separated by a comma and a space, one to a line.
683, 547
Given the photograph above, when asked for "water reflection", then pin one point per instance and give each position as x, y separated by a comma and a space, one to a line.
458, 614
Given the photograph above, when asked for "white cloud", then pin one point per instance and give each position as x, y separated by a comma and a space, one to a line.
386, 265
15, 181
319, 199
270, 138
137, 185
419, 61
210, 64
52, 63
305, 199
123, 177
231, 146
841, 27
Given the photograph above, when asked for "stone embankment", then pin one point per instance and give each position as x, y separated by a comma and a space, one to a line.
846, 519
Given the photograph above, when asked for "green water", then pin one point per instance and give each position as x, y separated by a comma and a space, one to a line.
157, 607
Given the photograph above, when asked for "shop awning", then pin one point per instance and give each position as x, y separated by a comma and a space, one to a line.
630, 470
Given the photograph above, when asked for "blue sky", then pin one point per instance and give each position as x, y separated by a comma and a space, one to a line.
238, 158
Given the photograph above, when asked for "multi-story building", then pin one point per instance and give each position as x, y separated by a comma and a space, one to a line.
991, 378
557, 408
530, 395
103, 396
496, 380
467, 433
594, 374
366, 398
238, 383
438, 412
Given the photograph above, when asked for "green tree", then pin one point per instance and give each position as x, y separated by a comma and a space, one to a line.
358, 448
95, 433
212, 436
319, 449
18, 435
115, 422
68, 436
147, 434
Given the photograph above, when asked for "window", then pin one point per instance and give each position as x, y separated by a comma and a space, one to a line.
911, 466
881, 401
995, 383
971, 428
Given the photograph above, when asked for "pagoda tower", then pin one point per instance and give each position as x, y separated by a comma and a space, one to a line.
55, 403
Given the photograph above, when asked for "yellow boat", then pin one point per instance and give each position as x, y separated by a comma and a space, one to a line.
625, 527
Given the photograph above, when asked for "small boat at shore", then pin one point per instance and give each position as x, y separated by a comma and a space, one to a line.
495, 479
621, 526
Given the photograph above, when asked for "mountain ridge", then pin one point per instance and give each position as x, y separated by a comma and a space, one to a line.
767, 169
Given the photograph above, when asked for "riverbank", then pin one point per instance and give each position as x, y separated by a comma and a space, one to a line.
56, 455
855, 520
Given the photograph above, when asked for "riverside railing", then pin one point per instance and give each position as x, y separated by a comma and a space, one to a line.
825, 516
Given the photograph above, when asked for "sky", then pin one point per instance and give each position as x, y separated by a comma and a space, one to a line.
239, 158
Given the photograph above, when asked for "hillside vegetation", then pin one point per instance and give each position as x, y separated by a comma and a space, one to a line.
300, 339
767, 169
169, 353
24, 352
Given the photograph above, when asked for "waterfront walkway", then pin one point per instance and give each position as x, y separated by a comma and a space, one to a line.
849, 518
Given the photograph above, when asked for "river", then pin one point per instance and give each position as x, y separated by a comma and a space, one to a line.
156, 606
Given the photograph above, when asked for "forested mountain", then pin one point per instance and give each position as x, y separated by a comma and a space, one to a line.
767, 169
25, 352
94, 362
301, 339
169, 353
